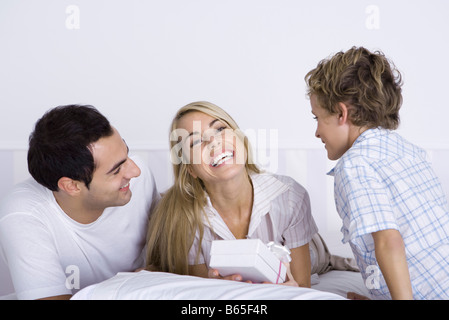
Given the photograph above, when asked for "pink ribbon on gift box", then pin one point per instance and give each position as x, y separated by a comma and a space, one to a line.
282, 253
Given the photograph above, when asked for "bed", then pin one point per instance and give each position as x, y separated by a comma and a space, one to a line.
332, 277
146, 285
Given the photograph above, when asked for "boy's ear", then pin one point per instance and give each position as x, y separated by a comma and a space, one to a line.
343, 115
69, 186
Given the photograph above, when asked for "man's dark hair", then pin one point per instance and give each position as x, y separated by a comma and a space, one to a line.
59, 146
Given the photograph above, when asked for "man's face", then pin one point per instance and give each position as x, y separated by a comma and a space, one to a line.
110, 186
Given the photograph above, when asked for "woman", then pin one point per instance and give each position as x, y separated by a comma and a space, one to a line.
219, 193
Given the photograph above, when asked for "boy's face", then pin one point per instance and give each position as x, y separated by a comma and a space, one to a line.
332, 129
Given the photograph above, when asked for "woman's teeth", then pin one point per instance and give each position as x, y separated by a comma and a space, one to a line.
222, 158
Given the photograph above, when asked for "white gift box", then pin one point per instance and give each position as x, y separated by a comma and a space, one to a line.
250, 258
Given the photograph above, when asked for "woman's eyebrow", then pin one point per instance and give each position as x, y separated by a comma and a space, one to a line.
210, 125
212, 122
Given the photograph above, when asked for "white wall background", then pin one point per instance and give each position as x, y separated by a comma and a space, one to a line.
138, 61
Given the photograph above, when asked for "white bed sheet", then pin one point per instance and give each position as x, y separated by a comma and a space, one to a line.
342, 282
145, 285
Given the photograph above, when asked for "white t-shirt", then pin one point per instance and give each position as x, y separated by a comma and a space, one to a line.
281, 213
48, 253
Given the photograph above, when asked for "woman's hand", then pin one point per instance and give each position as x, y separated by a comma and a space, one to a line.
215, 274
290, 280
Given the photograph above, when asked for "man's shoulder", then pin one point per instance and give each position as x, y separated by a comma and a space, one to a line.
25, 197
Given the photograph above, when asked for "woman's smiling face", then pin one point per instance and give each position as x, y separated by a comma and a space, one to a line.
212, 149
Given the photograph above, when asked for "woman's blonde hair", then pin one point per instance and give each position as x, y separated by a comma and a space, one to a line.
179, 215
367, 82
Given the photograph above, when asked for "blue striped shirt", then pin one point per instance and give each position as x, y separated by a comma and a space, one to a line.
385, 182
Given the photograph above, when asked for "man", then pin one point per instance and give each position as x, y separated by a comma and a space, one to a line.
83, 217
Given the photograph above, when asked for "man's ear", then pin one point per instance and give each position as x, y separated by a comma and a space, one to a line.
69, 186
343, 114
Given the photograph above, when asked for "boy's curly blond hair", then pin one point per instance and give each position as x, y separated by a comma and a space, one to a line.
368, 83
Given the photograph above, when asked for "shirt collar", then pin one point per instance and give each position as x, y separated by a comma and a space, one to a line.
367, 134
266, 188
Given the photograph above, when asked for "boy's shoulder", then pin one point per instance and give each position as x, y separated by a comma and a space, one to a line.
382, 145
379, 148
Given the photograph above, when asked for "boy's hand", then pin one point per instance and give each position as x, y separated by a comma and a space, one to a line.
356, 296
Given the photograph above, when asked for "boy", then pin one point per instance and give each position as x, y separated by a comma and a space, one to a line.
394, 211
